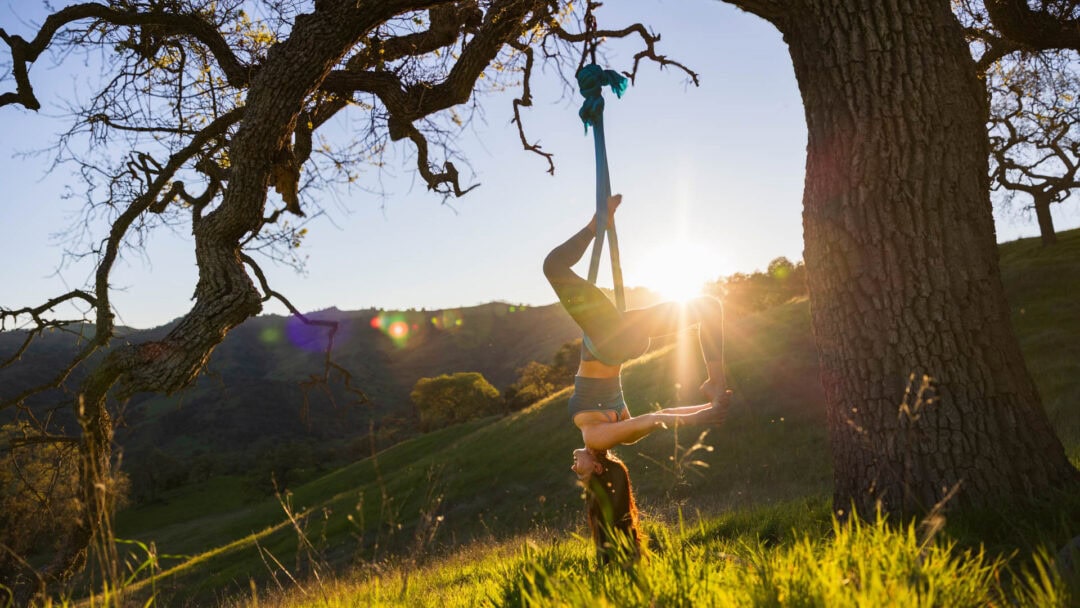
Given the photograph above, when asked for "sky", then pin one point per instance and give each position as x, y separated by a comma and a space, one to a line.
712, 181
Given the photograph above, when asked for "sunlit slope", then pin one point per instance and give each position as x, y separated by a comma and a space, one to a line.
502, 476
1043, 287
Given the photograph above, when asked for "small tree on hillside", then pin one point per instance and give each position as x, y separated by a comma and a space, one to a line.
534, 382
201, 109
747, 293
38, 496
453, 398
1035, 134
1034, 116
565, 363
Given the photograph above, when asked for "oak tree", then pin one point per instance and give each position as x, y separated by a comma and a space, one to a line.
928, 395
203, 109
1034, 117
454, 398
1035, 134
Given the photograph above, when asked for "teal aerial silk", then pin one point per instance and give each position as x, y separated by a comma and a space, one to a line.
591, 80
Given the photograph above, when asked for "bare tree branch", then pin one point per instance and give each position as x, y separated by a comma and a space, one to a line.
649, 52
155, 24
526, 101
41, 324
1036, 29
329, 365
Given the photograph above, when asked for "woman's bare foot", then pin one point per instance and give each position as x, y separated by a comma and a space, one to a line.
613, 203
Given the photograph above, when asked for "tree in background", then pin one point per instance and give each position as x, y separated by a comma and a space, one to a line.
454, 398
1034, 117
1035, 134
200, 110
743, 293
566, 361
279, 465
927, 394
534, 382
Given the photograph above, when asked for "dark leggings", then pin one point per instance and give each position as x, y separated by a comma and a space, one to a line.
621, 336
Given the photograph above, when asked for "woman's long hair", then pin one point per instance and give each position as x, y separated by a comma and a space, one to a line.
611, 510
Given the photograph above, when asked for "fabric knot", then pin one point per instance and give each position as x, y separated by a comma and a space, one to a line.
591, 81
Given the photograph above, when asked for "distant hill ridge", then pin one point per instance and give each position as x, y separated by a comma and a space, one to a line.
251, 393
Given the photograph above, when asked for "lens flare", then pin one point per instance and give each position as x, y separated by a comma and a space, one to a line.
449, 320
396, 326
312, 338
398, 330
270, 335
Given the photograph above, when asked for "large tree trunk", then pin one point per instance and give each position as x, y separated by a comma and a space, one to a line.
902, 263
225, 295
1046, 221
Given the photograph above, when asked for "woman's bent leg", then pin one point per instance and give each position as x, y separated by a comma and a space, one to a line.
587, 305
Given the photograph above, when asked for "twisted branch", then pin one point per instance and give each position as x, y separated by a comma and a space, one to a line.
526, 101
329, 365
24, 53
649, 52
1035, 30
406, 104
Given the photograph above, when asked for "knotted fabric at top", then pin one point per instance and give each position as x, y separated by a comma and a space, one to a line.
591, 81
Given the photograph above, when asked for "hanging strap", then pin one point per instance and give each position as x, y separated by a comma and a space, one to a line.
591, 80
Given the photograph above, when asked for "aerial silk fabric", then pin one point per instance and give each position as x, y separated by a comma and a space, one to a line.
591, 81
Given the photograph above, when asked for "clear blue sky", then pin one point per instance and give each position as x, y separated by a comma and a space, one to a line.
711, 174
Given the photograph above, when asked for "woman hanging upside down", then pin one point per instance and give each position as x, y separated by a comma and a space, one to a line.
613, 337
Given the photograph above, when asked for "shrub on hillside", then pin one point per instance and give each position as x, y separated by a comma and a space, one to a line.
282, 464
534, 382
565, 363
453, 398
744, 293
38, 496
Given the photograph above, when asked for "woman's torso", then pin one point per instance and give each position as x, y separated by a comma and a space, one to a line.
597, 369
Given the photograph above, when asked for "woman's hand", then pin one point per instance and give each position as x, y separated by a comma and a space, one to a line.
613, 203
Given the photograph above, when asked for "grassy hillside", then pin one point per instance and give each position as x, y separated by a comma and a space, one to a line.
479, 484
250, 409
1042, 285
496, 477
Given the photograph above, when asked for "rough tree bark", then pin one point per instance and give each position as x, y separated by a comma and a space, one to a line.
225, 295
902, 263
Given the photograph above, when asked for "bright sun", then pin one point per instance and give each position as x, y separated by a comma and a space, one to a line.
678, 271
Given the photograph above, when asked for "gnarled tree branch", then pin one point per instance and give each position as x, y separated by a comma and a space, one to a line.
1035, 30
162, 23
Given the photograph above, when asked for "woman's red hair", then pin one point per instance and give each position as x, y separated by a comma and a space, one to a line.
611, 509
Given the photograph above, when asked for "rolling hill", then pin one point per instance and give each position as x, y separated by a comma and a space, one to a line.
503, 476
252, 400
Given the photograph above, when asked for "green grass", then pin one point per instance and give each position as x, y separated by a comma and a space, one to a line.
733, 561
761, 534
1042, 286
495, 477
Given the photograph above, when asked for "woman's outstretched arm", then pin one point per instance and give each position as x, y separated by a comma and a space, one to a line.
671, 317
599, 433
